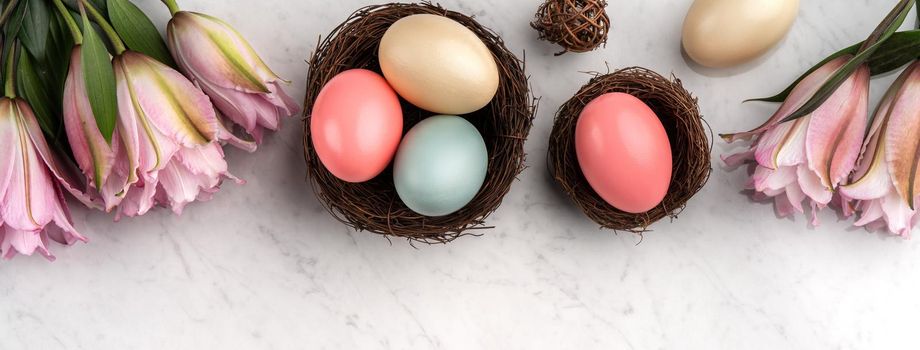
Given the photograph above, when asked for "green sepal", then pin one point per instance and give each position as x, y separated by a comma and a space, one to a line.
900, 49
99, 77
137, 31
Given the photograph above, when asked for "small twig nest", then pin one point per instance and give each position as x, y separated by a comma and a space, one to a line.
504, 124
690, 146
576, 25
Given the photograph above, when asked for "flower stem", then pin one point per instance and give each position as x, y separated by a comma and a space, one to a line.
7, 11
117, 44
71, 23
9, 87
173, 7
890, 24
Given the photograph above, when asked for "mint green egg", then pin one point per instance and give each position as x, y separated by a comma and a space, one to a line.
440, 165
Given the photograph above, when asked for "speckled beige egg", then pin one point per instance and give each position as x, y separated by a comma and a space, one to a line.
723, 33
438, 64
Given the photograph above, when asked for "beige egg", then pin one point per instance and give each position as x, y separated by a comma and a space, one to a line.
438, 64
723, 33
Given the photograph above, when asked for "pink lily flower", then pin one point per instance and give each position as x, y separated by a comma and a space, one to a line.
163, 151
885, 186
806, 159
32, 206
170, 132
224, 65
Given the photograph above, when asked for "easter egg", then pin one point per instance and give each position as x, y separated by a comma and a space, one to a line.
438, 64
356, 124
624, 152
440, 165
722, 33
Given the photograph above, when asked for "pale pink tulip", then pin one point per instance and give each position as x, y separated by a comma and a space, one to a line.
885, 186
804, 160
32, 206
225, 66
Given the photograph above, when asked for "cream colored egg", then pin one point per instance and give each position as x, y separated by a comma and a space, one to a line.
438, 64
723, 33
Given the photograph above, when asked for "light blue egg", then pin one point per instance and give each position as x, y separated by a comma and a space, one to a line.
440, 165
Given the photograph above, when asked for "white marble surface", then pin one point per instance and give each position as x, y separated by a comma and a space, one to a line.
263, 266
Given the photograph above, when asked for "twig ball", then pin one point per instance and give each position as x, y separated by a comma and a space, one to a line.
690, 146
576, 25
374, 205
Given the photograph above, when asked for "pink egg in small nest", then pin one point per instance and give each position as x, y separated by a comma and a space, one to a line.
687, 132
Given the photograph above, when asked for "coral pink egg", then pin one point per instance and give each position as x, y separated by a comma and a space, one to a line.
624, 152
356, 125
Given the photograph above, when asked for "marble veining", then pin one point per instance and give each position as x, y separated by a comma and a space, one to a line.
263, 266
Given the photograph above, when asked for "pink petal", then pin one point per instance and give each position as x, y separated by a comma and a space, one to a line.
774, 179
227, 136
874, 182
738, 159
62, 174
90, 149
870, 211
182, 186
30, 197
897, 214
139, 199
811, 186
902, 143
211, 50
795, 196
783, 207
168, 100
835, 132
9, 144
147, 148
802, 92
207, 160
23, 242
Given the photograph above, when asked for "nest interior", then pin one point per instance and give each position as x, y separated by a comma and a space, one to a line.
374, 205
679, 113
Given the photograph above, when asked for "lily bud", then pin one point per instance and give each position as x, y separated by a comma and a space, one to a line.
885, 186
93, 154
807, 158
224, 65
32, 206
169, 131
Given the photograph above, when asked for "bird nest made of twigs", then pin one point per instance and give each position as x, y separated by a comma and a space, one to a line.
576, 25
504, 125
688, 135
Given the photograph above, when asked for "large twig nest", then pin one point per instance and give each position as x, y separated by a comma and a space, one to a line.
504, 124
690, 146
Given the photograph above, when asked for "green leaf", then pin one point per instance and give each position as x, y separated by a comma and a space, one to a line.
878, 37
11, 30
901, 48
56, 62
100, 80
36, 26
137, 31
73, 4
14, 24
31, 88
